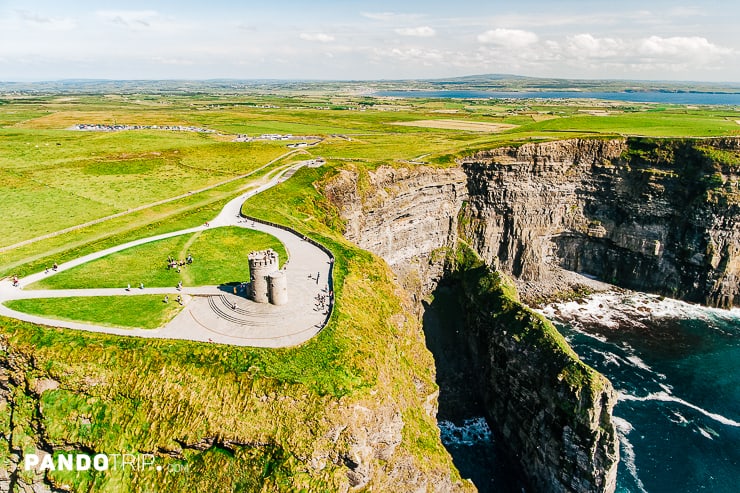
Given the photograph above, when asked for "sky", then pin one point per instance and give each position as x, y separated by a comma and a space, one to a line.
693, 40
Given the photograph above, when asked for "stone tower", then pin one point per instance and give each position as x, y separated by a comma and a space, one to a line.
267, 282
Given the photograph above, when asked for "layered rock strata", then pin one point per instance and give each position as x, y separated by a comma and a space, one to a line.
657, 216
660, 216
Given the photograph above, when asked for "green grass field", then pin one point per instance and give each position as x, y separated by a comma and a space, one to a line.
137, 312
219, 257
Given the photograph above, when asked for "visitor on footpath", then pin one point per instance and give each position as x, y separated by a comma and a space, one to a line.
141, 285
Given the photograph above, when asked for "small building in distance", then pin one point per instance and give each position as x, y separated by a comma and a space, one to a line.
268, 284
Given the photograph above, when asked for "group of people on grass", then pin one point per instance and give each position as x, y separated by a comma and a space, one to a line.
173, 263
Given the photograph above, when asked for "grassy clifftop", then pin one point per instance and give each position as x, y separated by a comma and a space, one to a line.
349, 408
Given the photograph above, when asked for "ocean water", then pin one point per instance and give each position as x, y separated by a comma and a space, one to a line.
676, 368
732, 99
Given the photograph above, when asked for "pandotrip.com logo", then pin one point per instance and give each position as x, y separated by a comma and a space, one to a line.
99, 462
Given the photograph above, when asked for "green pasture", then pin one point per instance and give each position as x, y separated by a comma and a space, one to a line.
138, 312
220, 256
51, 180
187, 212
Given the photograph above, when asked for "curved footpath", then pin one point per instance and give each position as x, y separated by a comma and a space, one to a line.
208, 314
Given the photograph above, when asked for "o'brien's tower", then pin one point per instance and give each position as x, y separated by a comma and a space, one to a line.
267, 282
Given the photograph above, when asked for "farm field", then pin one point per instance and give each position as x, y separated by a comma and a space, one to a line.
52, 178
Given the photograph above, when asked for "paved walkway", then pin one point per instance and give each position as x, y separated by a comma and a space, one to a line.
209, 313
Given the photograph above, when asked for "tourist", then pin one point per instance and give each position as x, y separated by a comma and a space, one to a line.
141, 285
55, 267
15, 281
179, 286
128, 288
166, 299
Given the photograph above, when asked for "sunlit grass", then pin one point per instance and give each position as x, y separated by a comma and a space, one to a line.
220, 256
138, 312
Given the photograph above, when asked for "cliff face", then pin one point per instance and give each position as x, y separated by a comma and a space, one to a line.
552, 411
405, 217
658, 216
652, 216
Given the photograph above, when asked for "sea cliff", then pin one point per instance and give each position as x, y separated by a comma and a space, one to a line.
655, 215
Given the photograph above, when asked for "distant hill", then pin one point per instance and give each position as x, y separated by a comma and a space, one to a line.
483, 82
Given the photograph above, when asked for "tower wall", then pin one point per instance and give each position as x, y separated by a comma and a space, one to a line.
261, 264
278, 288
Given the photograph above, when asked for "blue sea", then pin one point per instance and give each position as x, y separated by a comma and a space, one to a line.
676, 368
701, 98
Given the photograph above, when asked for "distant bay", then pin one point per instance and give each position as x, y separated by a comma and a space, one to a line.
710, 98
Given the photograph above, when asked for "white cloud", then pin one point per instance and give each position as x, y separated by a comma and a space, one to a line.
693, 47
419, 32
588, 46
510, 38
48, 23
320, 37
172, 61
132, 19
417, 55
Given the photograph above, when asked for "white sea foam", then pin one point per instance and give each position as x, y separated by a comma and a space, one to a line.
705, 433
680, 419
471, 432
609, 358
635, 360
624, 428
613, 310
665, 387
666, 397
